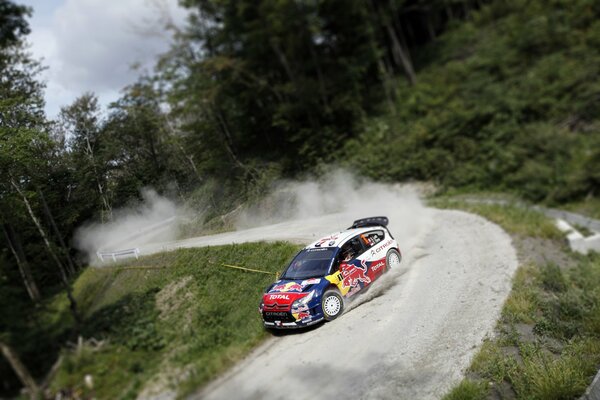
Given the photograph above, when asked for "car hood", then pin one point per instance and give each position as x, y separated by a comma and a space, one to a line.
294, 286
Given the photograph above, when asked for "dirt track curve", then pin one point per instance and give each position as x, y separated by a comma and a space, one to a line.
411, 336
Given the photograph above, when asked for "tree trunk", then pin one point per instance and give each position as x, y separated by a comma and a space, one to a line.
61, 269
107, 214
398, 27
229, 142
283, 60
319, 73
449, 12
286, 66
387, 82
313, 56
403, 42
401, 59
70, 264
430, 28
20, 370
189, 158
15, 246
399, 54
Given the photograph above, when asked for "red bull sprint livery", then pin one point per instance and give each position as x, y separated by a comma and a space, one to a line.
328, 272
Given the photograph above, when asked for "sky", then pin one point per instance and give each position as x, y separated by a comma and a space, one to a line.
92, 45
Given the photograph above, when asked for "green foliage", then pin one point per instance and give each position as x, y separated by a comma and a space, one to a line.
12, 22
130, 322
493, 364
553, 278
117, 372
503, 101
573, 310
542, 376
179, 310
536, 374
280, 81
522, 303
468, 390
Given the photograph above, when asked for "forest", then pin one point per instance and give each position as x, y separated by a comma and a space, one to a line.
477, 95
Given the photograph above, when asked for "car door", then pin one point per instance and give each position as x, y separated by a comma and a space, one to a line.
354, 271
374, 261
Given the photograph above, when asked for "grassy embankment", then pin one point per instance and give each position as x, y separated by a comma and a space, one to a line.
547, 342
173, 327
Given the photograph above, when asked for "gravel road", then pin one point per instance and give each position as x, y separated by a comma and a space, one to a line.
411, 336
299, 231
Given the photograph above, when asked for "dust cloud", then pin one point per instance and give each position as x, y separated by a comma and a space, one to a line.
347, 195
299, 211
153, 219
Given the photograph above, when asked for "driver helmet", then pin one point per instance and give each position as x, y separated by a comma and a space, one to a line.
347, 254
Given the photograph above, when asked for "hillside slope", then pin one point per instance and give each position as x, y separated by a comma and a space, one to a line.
508, 100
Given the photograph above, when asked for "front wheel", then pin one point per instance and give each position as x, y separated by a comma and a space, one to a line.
392, 259
332, 304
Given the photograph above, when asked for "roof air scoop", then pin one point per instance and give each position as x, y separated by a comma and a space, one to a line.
370, 221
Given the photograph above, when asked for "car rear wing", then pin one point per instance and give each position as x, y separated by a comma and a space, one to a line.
371, 221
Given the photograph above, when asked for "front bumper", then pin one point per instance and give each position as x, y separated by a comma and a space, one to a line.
291, 325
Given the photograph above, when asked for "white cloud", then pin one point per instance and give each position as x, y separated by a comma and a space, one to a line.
91, 45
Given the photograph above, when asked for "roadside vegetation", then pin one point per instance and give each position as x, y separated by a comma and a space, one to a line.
166, 322
547, 341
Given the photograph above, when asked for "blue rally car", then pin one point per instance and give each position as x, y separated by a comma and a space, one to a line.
323, 275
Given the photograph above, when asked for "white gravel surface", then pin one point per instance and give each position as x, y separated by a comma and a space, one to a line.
411, 336
298, 231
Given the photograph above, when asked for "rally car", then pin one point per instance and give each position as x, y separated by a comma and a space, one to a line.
327, 273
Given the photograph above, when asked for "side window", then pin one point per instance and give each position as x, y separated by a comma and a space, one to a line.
370, 239
352, 249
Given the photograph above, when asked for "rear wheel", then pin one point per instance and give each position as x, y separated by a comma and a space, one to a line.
332, 304
392, 259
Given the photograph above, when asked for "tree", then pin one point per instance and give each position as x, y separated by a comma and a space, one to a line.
26, 155
80, 123
12, 23
279, 81
16, 248
20, 369
21, 108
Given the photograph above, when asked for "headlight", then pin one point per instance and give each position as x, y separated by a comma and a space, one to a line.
303, 302
261, 306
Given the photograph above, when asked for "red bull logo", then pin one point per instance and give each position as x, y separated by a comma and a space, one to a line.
287, 287
353, 275
302, 315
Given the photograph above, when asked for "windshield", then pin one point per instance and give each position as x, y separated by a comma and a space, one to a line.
310, 263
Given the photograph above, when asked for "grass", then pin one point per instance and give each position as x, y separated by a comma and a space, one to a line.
468, 390
547, 344
181, 325
589, 206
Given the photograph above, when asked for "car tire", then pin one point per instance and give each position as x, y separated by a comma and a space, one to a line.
332, 303
392, 259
